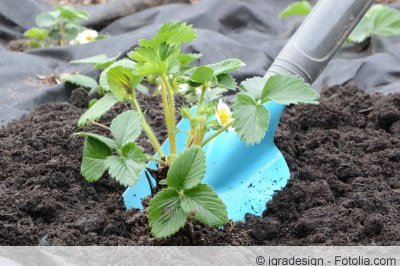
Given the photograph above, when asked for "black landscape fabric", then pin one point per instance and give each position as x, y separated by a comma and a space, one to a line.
245, 29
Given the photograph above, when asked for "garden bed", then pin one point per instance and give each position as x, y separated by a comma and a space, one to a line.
344, 156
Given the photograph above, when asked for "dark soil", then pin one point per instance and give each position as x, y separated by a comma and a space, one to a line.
20, 45
344, 156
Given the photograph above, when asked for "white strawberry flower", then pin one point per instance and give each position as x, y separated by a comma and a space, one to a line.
223, 114
86, 36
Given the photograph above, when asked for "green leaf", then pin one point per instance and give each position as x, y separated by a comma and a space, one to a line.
72, 30
71, 13
100, 61
226, 81
288, 89
155, 61
95, 152
386, 20
361, 31
92, 102
126, 169
34, 44
213, 95
95, 112
202, 74
36, 33
226, 66
144, 55
188, 169
379, 20
175, 32
166, 216
250, 119
47, 19
80, 81
109, 142
220, 68
103, 76
95, 90
101, 36
299, 8
204, 204
54, 34
126, 127
186, 59
122, 81
160, 54
253, 87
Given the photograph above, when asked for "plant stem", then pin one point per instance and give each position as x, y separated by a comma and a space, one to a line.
203, 92
62, 33
99, 125
190, 137
195, 135
149, 158
169, 110
201, 99
216, 133
147, 128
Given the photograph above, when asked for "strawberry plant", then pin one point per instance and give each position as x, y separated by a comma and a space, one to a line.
380, 20
60, 27
180, 194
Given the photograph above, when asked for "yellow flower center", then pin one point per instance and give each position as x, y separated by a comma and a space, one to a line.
89, 38
224, 117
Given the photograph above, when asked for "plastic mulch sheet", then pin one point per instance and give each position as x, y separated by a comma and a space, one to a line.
245, 29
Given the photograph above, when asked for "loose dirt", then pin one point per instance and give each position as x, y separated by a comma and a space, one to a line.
344, 156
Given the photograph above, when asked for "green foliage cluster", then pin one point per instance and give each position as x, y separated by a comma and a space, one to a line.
95, 88
57, 27
380, 20
180, 195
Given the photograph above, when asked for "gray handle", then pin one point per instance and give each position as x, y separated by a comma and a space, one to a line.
322, 33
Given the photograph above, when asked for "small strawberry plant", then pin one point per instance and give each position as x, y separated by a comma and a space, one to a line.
60, 27
180, 194
380, 20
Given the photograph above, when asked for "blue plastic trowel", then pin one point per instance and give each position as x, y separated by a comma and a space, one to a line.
245, 177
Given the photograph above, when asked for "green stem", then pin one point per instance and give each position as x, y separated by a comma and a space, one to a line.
199, 105
216, 133
194, 130
203, 92
170, 113
147, 128
199, 134
149, 158
190, 137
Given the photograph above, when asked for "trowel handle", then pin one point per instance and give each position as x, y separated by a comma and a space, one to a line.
324, 30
